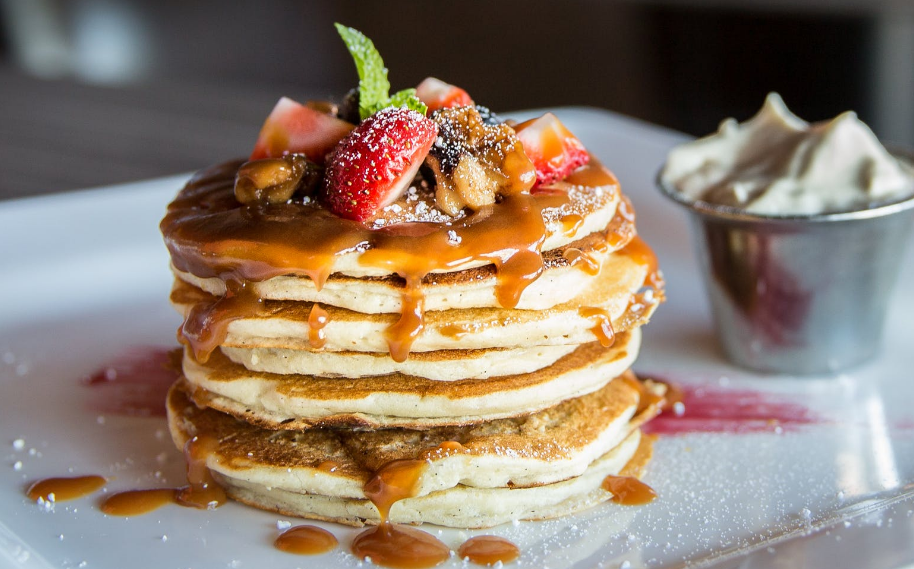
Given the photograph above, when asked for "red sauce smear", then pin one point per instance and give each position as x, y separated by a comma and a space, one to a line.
135, 383
718, 409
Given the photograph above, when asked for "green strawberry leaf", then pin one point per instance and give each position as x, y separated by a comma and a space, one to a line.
407, 98
373, 84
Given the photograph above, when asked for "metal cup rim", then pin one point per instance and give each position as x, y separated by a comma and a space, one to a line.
738, 214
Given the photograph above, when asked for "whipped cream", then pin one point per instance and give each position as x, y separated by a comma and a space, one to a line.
778, 164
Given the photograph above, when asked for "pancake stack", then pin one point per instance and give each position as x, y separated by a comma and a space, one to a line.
485, 350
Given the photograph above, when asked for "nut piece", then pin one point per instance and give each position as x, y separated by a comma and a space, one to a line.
275, 180
474, 162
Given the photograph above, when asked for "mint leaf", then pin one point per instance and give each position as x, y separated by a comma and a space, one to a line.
373, 84
407, 98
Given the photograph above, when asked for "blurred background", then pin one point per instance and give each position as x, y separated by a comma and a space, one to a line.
95, 92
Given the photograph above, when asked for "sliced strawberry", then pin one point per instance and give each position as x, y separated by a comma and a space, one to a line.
293, 127
375, 163
555, 152
436, 94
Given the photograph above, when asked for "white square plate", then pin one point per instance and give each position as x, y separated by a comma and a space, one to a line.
84, 280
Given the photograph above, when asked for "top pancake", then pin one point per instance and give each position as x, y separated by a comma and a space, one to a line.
210, 234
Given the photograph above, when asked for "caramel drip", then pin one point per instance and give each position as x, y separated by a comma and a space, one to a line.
488, 550
628, 490
306, 540
621, 229
447, 448
401, 335
393, 482
651, 291
201, 491
516, 275
456, 331
206, 326
583, 260
328, 466
62, 489
639, 251
317, 320
571, 224
210, 235
603, 326
137, 502
392, 545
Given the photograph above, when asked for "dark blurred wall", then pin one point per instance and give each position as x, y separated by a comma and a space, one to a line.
682, 66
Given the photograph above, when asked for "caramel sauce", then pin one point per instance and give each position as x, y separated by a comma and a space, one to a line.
447, 448
393, 545
399, 546
582, 260
306, 540
137, 502
603, 327
488, 550
456, 331
628, 490
639, 251
328, 466
206, 326
201, 491
571, 224
62, 489
393, 482
209, 234
317, 320
621, 229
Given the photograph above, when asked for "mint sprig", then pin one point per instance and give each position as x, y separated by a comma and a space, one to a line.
374, 87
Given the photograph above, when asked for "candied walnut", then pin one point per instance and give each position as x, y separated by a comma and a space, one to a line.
276, 180
474, 162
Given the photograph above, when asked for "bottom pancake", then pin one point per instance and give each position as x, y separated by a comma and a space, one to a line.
544, 465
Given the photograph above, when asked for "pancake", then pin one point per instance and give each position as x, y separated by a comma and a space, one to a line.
285, 324
566, 270
210, 234
541, 465
301, 401
441, 365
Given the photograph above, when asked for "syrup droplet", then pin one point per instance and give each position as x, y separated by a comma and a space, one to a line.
65, 488
137, 502
206, 325
628, 490
393, 545
306, 540
603, 327
582, 260
317, 320
393, 482
201, 491
488, 550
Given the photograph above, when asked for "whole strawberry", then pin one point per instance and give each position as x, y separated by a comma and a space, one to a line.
375, 163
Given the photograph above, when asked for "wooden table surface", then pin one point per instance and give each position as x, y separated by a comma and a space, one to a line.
59, 135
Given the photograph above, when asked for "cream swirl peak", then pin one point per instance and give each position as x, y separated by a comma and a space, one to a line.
778, 164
